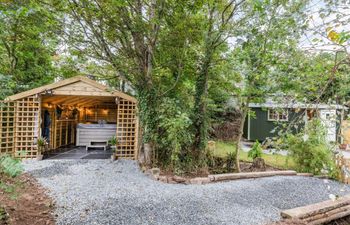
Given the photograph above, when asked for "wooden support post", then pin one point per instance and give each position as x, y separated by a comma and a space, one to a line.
67, 124
60, 140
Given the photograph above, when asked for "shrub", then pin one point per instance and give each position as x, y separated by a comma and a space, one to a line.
10, 166
310, 150
256, 151
41, 142
3, 216
113, 141
174, 122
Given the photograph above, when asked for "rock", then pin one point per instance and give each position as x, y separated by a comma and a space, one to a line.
258, 163
148, 173
171, 180
211, 146
143, 169
155, 171
200, 180
179, 179
163, 179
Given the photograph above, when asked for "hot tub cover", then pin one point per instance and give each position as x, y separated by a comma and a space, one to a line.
96, 126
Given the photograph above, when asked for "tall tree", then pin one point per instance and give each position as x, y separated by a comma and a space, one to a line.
133, 37
267, 46
221, 19
26, 45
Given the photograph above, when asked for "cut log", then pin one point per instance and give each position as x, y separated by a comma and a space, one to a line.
322, 212
329, 216
311, 210
305, 174
235, 176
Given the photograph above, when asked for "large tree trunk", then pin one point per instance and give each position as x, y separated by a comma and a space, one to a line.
147, 105
146, 91
239, 137
200, 109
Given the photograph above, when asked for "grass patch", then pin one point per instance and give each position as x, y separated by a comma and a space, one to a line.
7, 188
275, 160
3, 215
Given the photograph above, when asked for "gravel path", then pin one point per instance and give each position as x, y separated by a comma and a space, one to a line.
101, 192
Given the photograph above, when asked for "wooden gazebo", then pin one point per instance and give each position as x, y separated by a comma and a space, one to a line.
67, 103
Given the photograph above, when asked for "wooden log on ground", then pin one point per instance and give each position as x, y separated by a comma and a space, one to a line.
321, 212
305, 174
236, 176
329, 216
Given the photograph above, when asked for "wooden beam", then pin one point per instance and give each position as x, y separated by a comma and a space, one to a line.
322, 212
235, 176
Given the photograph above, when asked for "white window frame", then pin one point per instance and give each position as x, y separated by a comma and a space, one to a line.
279, 114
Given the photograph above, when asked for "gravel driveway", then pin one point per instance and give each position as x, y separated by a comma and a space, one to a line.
101, 192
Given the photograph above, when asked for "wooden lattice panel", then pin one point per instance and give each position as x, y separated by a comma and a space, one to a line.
27, 127
7, 126
127, 126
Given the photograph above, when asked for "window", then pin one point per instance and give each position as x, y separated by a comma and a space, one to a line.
277, 115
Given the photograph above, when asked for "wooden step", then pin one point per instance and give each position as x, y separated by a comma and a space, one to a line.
98, 143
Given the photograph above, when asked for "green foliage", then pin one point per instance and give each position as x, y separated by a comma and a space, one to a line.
21, 153
41, 143
310, 151
176, 55
256, 151
113, 141
7, 188
174, 124
3, 215
10, 166
27, 44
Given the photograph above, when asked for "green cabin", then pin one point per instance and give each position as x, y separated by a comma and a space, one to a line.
265, 120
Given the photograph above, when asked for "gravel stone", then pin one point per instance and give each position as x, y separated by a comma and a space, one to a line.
104, 192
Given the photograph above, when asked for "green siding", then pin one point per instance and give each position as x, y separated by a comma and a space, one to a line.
245, 128
261, 128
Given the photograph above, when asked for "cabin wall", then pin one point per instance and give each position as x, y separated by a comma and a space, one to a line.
261, 128
107, 113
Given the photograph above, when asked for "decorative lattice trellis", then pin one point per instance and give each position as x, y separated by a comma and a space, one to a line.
27, 127
127, 128
7, 126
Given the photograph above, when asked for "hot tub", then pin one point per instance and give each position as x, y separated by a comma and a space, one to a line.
94, 132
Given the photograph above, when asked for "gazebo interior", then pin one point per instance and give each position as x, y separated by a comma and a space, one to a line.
66, 120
